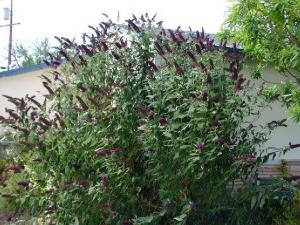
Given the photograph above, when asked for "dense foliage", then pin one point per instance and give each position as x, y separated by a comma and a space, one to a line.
269, 31
141, 125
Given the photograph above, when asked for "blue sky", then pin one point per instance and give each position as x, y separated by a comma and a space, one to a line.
70, 18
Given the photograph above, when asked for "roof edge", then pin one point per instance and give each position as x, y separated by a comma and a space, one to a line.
22, 70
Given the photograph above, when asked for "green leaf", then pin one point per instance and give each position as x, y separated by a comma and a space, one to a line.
167, 134
180, 218
253, 202
144, 220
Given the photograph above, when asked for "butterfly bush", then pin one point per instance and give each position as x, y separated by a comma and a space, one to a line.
140, 125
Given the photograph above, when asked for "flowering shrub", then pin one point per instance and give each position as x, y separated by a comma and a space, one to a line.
141, 125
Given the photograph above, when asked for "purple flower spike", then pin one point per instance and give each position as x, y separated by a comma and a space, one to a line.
200, 146
178, 68
115, 150
191, 55
193, 95
102, 153
68, 183
215, 124
23, 183
104, 180
81, 183
208, 79
105, 205
221, 141
205, 96
162, 120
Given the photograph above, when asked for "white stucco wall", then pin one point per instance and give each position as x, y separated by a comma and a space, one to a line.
282, 135
19, 86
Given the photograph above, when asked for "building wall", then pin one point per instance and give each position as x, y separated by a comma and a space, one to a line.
18, 86
282, 135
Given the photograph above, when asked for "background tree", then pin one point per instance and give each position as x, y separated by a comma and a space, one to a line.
269, 33
24, 56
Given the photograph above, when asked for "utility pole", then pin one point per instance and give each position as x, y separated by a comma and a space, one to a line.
8, 15
10, 34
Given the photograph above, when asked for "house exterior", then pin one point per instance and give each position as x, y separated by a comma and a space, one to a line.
19, 82
22, 81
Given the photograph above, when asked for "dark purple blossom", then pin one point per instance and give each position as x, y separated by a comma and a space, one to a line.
68, 183
211, 64
221, 141
198, 49
238, 84
115, 150
38, 159
23, 183
45, 121
294, 145
234, 47
180, 35
82, 103
203, 67
118, 45
104, 181
116, 55
45, 84
40, 144
200, 146
104, 46
102, 153
193, 95
198, 35
224, 44
178, 68
208, 79
202, 44
81, 183
153, 66
162, 120
173, 37
215, 124
12, 114
64, 54
123, 42
205, 96
158, 48
9, 217
132, 25
247, 158
76, 166
55, 63
191, 55
168, 48
34, 101
202, 33
105, 205
86, 50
